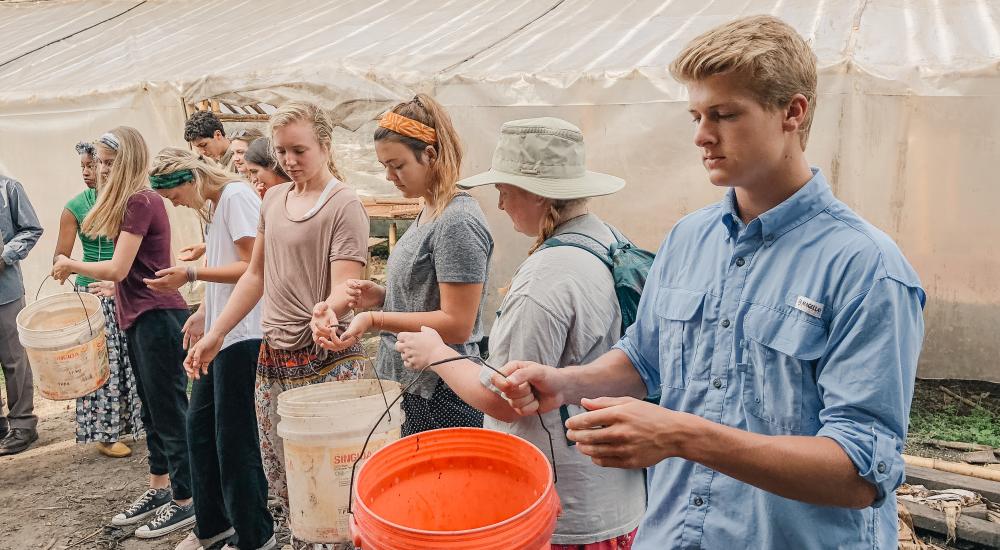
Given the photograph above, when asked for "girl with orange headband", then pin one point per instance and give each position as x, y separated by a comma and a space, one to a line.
436, 275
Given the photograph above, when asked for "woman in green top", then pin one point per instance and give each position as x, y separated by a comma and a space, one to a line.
112, 412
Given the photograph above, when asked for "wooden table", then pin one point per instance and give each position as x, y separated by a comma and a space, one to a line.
393, 211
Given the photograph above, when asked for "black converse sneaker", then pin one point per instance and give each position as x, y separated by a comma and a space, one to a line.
143, 508
170, 518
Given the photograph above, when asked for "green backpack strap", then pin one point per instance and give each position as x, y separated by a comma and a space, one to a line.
602, 253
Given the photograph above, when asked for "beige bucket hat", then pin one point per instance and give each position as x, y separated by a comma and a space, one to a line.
544, 156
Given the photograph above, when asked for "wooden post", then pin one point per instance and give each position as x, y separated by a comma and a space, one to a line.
392, 236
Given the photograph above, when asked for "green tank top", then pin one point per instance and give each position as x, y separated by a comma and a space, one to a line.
94, 250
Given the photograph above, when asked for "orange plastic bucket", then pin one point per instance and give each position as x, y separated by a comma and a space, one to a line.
455, 488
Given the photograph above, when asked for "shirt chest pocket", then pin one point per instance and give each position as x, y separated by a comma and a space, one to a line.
679, 319
411, 260
779, 357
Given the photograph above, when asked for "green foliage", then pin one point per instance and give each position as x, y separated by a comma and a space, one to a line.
978, 426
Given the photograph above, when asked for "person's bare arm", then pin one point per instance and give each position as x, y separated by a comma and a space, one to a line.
172, 278
541, 388
454, 321
624, 432
420, 349
115, 269
67, 235
247, 293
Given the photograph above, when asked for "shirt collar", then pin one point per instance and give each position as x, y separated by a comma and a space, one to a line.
802, 206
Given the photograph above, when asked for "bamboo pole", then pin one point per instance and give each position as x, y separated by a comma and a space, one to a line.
953, 467
965, 400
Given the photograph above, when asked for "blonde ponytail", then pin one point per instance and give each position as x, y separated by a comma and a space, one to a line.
128, 177
554, 217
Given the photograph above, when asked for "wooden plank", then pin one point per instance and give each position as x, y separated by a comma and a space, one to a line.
226, 117
950, 466
980, 457
936, 479
968, 528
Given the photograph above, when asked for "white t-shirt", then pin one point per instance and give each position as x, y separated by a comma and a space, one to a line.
236, 217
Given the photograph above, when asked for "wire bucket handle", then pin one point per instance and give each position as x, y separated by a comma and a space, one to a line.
388, 407
86, 313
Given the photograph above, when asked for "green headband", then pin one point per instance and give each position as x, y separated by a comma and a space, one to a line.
171, 180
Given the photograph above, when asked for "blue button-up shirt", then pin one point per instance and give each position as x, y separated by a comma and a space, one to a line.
806, 321
21, 230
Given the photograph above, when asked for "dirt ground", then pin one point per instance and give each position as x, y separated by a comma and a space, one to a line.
59, 495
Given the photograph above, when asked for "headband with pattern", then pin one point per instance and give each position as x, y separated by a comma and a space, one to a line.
408, 127
170, 180
110, 141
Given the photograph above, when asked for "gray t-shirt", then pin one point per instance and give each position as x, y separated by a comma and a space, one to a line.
561, 310
454, 248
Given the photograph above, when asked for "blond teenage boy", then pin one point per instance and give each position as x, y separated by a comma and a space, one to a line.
779, 329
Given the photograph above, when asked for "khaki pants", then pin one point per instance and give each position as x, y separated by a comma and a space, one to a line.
16, 371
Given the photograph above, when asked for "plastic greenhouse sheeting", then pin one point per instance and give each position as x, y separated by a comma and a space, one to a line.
904, 130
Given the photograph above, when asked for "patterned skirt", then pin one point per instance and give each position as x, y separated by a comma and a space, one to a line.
279, 370
111, 412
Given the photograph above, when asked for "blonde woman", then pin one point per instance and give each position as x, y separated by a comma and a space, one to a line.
436, 275
135, 218
106, 416
312, 238
230, 491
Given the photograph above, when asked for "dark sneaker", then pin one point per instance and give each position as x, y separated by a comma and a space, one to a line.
17, 440
143, 508
170, 518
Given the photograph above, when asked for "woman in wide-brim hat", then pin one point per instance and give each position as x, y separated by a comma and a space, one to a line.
561, 310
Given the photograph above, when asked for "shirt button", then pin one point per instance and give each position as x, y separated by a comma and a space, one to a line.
725, 323
698, 501
881, 467
740, 262
717, 383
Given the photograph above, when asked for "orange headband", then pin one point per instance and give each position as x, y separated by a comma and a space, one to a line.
408, 127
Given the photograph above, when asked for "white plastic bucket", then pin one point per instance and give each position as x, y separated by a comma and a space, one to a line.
323, 427
63, 336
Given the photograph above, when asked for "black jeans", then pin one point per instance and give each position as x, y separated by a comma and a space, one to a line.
157, 354
230, 489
